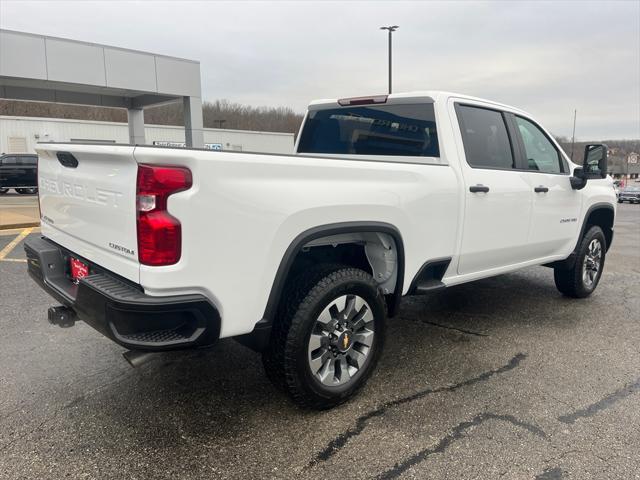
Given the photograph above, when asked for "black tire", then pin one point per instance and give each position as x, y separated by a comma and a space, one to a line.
26, 191
287, 358
619, 201
571, 281
3, 191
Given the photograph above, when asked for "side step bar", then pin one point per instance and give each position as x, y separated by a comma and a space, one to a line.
429, 286
429, 277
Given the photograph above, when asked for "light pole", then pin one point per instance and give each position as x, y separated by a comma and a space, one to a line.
391, 29
573, 135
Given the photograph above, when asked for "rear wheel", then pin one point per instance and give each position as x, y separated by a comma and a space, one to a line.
582, 279
328, 337
26, 191
3, 191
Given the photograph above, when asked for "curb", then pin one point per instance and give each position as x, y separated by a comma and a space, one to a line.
12, 226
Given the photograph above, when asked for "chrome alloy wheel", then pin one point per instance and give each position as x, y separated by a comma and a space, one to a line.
592, 262
341, 340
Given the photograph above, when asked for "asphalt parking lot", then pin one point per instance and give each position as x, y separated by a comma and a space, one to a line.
18, 210
502, 378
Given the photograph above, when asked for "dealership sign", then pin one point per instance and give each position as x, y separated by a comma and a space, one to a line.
207, 146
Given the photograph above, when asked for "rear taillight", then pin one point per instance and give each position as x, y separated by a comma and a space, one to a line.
159, 233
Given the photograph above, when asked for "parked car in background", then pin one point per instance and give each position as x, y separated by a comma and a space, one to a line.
19, 171
629, 194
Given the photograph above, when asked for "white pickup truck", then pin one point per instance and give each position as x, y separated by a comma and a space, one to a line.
304, 256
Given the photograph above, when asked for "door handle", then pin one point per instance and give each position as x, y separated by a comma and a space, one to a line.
478, 188
541, 189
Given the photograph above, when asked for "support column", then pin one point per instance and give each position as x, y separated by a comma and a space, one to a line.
193, 130
136, 126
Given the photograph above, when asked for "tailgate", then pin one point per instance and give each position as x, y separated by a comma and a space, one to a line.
88, 203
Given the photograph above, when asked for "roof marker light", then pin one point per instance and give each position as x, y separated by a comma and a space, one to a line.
362, 100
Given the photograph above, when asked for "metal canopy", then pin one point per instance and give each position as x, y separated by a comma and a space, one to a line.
50, 69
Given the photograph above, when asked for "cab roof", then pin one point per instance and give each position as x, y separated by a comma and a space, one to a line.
419, 96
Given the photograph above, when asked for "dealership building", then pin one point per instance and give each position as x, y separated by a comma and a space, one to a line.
50, 69
21, 134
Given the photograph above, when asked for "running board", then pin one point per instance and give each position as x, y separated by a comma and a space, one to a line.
429, 277
428, 286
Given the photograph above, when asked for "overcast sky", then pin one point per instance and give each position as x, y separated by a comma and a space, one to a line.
544, 57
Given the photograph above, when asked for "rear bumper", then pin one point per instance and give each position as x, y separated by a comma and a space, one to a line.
121, 310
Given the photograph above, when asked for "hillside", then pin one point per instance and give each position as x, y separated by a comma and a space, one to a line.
221, 113
226, 114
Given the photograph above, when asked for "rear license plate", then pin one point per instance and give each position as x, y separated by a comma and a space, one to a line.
78, 269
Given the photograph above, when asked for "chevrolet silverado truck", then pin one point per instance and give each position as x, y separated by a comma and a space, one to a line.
303, 257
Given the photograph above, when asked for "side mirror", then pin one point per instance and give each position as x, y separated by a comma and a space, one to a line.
594, 165
595, 161
578, 181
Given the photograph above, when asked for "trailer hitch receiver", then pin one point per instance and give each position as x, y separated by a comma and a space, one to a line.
62, 316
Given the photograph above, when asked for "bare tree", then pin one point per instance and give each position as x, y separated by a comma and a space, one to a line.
217, 114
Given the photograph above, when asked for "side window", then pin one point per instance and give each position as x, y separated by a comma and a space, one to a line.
9, 161
27, 160
485, 138
542, 155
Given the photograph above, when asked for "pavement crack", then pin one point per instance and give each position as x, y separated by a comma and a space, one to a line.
72, 403
6, 446
342, 439
461, 330
83, 396
555, 473
457, 433
602, 404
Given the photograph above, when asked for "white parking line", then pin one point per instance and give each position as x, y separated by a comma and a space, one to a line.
13, 243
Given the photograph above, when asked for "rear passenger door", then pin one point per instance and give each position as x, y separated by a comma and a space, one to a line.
28, 170
497, 195
8, 171
555, 206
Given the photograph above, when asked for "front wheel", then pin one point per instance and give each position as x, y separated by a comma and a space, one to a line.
26, 191
3, 191
328, 337
582, 279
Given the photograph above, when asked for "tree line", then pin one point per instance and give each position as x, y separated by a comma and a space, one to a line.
217, 114
618, 149
235, 116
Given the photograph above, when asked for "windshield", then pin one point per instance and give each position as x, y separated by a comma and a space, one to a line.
401, 130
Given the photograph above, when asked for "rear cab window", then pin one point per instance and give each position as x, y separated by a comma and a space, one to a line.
394, 130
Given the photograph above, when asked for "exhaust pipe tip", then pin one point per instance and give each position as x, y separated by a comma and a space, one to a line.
135, 358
